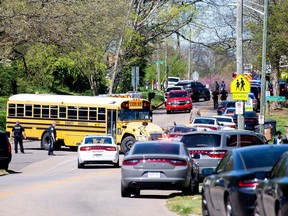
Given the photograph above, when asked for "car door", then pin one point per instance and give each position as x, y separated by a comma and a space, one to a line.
220, 182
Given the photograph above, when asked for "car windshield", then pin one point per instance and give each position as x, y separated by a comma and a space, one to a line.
201, 140
249, 114
177, 94
173, 79
231, 104
268, 158
98, 140
156, 148
126, 115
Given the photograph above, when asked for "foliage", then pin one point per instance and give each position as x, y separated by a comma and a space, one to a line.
185, 205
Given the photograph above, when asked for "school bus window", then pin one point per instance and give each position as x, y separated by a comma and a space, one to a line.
37, 111
28, 110
11, 110
93, 113
72, 112
20, 110
45, 111
101, 114
62, 113
53, 111
83, 113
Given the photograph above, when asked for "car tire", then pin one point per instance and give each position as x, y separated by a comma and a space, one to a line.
229, 208
127, 143
168, 111
188, 191
45, 141
205, 211
116, 165
125, 192
80, 165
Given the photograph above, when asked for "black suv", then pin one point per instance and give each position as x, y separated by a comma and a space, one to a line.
5, 151
196, 89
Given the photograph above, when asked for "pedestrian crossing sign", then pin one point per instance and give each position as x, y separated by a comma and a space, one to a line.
240, 85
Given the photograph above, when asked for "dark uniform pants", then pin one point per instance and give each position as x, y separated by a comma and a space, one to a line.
51, 146
18, 139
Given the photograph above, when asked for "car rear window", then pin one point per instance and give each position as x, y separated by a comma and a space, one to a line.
224, 119
178, 94
204, 121
98, 140
156, 148
201, 140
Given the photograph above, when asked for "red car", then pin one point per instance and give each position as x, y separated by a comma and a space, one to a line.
178, 100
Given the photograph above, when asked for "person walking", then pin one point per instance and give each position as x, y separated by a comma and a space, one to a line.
194, 113
52, 138
224, 94
215, 95
18, 132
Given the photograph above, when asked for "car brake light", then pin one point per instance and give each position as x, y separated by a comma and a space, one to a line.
154, 160
232, 126
106, 148
131, 162
210, 153
248, 183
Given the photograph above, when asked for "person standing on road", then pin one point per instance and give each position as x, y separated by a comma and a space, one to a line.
18, 132
224, 94
52, 138
194, 113
216, 86
223, 85
215, 95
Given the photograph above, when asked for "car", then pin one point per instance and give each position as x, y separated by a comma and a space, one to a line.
208, 147
256, 90
271, 193
5, 151
205, 123
226, 122
283, 89
172, 81
229, 111
251, 102
196, 89
178, 130
170, 89
98, 149
158, 165
250, 120
230, 189
178, 100
221, 107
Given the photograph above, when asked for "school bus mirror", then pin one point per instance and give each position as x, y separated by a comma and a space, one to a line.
124, 126
144, 124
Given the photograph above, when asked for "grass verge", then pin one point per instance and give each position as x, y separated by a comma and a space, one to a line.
185, 205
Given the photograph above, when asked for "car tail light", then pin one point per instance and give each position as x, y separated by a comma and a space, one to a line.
210, 153
134, 162
106, 148
131, 162
232, 126
248, 183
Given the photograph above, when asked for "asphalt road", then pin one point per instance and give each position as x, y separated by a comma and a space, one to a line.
38, 184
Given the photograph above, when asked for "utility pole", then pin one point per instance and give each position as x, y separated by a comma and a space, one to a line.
166, 64
239, 52
189, 58
263, 71
158, 82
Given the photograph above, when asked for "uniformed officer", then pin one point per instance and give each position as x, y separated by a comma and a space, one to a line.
52, 138
18, 132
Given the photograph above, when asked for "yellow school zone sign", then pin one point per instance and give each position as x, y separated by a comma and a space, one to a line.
240, 87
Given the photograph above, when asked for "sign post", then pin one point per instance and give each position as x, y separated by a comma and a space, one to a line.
135, 78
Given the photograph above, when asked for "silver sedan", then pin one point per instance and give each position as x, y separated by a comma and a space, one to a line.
157, 165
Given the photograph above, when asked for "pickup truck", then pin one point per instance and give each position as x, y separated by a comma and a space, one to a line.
196, 89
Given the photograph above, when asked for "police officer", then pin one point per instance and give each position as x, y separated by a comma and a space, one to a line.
224, 94
18, 133
52, 138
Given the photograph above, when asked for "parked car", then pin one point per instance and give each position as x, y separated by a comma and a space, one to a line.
98, 149
196, 89
283, 89
178, 130
226, 122
172, 81
230, 190
221, 107
205, 123
178, 100
155, 165
272, 192
5, 151
229, 111
208, 147
250, 120
252, 101
256, 90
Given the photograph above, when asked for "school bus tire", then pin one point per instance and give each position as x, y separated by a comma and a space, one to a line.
127, 143
45, 141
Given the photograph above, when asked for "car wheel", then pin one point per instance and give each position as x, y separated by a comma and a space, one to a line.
127, 143
80, 165
116, 165
188, 190
229, 209
125, 192
205, 211
45, 141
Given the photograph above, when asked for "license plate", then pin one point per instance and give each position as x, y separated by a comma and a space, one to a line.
97, 155
153, 174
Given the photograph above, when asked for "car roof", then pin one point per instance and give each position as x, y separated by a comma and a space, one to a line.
219, 132
178, 90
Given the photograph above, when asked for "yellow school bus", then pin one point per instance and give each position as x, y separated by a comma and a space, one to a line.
126, 119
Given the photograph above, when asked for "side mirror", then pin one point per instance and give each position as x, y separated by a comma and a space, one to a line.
144, 124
